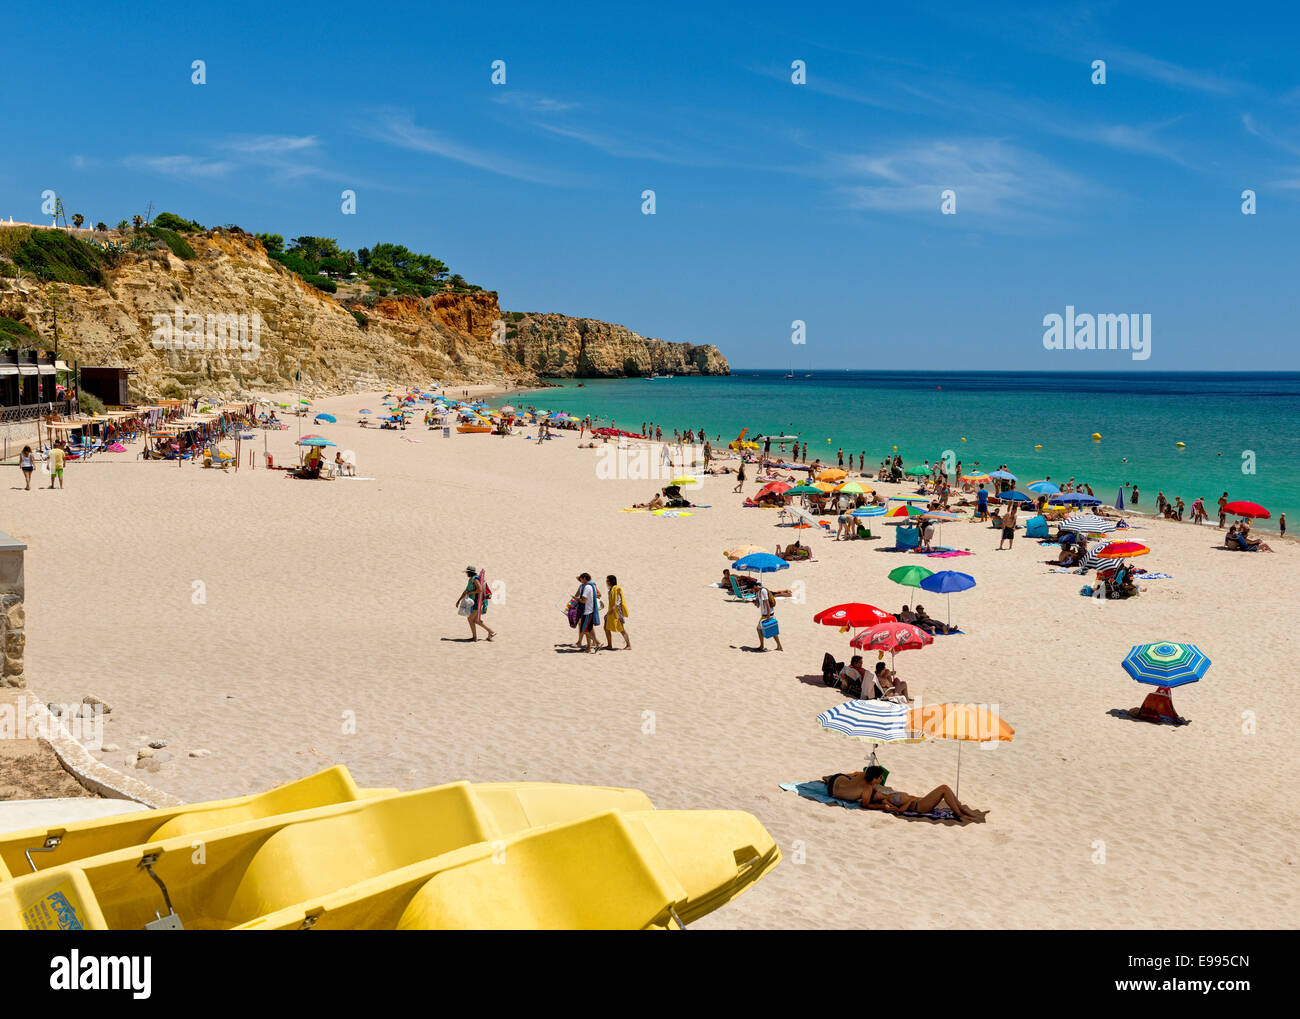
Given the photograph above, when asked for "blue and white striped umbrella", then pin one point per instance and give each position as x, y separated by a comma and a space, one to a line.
875, 721
1088, 523
868, 511
1166, 663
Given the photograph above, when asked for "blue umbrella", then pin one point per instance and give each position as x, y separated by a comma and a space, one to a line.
1014, 496
1003, 475
1044, 488
868, 511
1166, 663
1076, 499
316, 442
325, 417
876, 721
945, 582
760, 562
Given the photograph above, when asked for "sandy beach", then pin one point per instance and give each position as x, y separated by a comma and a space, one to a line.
286, 625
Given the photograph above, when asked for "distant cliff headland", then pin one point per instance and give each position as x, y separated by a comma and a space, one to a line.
227, 313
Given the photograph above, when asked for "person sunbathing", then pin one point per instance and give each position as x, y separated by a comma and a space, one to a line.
656, 503
906, 615
868, 788
929, 625
1158, 706
888, 685
794, 551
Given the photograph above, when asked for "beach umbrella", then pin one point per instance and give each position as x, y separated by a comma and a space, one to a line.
685, 479
1075, 499
777, 487
507, 409
317, 441
1245, 509
365, 410
1166, 663
853, 614
325, 417
961, 722
804, 518
917, 470
1002, 475
852, 488
977, 479
1088, 523
832, 474
740, 551
902, 514
1014, 496
804, 490
892, 637
868, 511
945, 582
872, 721
909, 576
909, 498
1122, 550
305, 402
760, 562
1044, 488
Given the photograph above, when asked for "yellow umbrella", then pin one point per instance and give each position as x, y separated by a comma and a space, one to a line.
825, 486
684, 480
854, 488
832, 474
740, 551
961, 722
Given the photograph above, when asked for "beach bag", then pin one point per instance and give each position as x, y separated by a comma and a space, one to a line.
574, 611
770, 629
466, 605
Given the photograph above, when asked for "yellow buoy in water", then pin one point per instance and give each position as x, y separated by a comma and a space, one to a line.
1181, 445
1096, 436
895, 449
963, 438
1038, 447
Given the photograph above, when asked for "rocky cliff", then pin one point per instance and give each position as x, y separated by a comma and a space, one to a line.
232, 321
564, 347
156, 315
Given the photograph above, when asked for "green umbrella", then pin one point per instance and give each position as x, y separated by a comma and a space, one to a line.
804, 490
918, 470
910, 576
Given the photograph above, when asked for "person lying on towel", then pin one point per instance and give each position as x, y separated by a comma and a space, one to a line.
929, 625
868, 788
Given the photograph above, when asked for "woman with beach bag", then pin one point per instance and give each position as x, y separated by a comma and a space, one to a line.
473, 602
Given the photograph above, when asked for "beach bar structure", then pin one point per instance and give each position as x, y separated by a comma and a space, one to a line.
29, 385
110, 384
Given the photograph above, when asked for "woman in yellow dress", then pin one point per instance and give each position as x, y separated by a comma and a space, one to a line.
615, 615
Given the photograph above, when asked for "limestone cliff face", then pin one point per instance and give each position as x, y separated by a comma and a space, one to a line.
564, 347
405, 340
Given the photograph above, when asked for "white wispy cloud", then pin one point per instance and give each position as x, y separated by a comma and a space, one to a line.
287, 156
1189, 79
533, 103
991, 177
184, 166
399, 129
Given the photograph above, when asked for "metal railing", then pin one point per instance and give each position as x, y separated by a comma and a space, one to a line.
33, 411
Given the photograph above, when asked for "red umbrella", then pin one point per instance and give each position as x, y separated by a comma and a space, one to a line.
1245, 509
854, 614
1123, 549
779, 487
892, 637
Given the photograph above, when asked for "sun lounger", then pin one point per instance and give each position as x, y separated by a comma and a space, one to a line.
735, 589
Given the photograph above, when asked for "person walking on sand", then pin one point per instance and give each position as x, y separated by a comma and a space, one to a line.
473, 602
1009, 527
588, 599
767, 625
740, 475
616, 615
28, 465
57, 459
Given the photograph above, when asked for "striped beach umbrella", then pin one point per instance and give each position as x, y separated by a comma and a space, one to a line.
1088, 523
876, 721
868, 511
1166, 663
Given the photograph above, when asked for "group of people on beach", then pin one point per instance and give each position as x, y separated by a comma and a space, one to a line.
585, 613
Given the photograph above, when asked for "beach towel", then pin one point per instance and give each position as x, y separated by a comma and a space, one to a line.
817, 791
1144, 575
671, 513
116, 447
949, 554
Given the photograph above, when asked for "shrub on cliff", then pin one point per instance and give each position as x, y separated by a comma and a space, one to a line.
15, 334
179, 246
362, 319
90, 403
322, 283
58, 256
171, 221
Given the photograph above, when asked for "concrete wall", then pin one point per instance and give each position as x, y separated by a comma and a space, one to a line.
13, 615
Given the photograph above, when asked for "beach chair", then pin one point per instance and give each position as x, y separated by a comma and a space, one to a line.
735, 589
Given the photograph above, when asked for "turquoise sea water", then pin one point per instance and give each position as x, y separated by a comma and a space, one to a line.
1232, 423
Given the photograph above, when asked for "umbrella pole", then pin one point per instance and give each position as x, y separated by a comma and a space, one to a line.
957, 791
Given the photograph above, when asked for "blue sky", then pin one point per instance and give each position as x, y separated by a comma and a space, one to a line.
774, 201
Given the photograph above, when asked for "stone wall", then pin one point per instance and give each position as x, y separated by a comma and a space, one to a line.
13, 616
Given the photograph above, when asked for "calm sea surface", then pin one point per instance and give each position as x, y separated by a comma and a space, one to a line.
1241, 430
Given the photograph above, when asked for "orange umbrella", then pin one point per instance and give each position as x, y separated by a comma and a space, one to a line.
740, 551
961, 722
832, 474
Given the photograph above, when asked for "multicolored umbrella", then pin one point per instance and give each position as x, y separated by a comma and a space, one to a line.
316, 441
853, 488
868, 511
1166, 663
